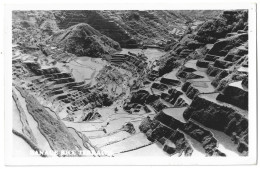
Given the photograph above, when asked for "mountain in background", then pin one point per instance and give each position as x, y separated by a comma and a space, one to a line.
130, 28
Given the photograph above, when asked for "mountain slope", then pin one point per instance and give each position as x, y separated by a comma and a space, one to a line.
130, 27
84, 40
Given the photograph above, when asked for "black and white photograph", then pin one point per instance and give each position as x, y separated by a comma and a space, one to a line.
133, 83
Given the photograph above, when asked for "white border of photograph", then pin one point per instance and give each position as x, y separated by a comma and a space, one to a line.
252, 112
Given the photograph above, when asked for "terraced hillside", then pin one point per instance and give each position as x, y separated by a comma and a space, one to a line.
78, 90
134, 28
